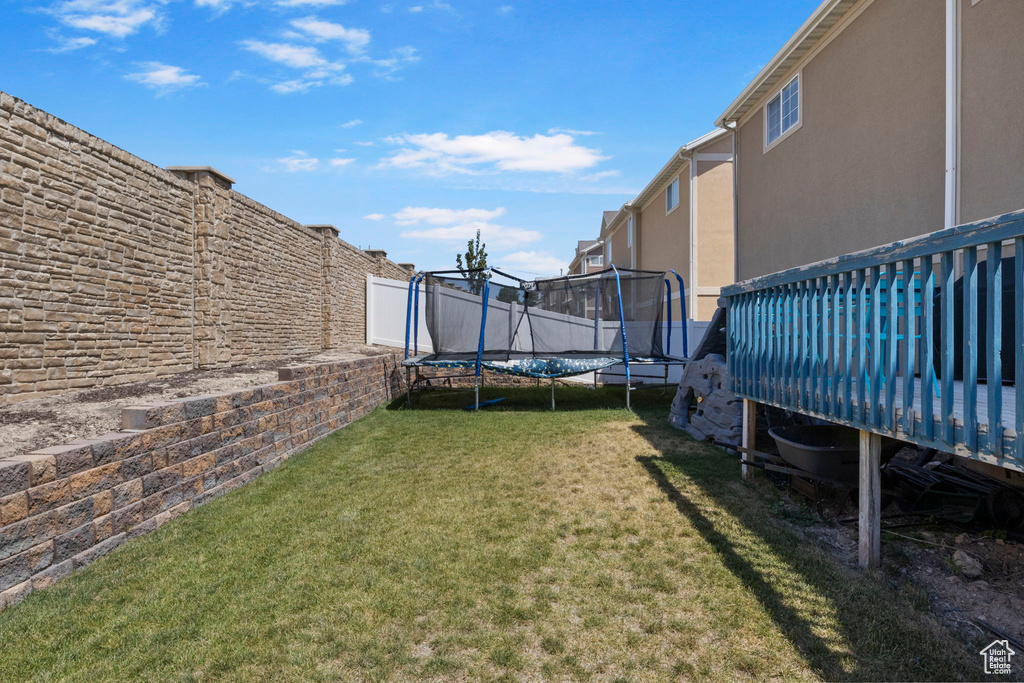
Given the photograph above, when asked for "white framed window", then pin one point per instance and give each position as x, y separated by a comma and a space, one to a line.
595, 260
782, 113
672, 195
629, 232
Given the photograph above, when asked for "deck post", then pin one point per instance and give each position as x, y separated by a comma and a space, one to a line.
749, 434
869, 534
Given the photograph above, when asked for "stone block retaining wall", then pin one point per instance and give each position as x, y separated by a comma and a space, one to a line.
113, 270
65, 506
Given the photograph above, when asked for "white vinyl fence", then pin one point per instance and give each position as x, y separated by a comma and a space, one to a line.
387, 302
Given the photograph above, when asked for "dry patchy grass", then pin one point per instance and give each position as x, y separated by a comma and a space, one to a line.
589, 543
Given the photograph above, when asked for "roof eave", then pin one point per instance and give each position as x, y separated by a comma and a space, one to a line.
810, 30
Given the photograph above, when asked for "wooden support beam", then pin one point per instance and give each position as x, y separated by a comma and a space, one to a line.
869, 533
749, 432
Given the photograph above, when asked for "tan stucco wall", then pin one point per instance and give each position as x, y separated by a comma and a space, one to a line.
715, 258
991, 109
665, 240
620, 252
867, 165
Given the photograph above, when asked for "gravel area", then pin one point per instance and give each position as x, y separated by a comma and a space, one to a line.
63, 418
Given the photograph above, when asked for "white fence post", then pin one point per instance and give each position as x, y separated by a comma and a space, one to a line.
369, 308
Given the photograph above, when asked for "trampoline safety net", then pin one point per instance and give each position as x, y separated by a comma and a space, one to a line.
588, 316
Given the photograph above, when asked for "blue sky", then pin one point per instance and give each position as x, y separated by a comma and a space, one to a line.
406, 123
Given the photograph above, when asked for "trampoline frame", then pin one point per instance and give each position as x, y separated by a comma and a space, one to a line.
412, 329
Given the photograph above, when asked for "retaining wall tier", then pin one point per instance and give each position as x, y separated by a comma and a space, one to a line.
65, 506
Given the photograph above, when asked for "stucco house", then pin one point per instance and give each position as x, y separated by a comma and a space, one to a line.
878, 120
589, 258
682, 220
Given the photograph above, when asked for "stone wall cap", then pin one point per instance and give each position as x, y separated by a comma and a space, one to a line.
376, 252
323, 226
198, 169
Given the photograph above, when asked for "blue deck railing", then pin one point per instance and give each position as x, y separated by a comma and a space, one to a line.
888, 340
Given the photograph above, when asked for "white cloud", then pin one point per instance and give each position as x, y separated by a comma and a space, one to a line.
295, 56
117, 18
318, 70
593, 177
354, 39
400, 57
572, 131
352, 124
458, 225
413, 215
439, 154
338, 162
532, 262
365, 143
375, 217
163, 77
310, 3
436, 4
70, 44
299, 161
496, 236
505, 9
297, 85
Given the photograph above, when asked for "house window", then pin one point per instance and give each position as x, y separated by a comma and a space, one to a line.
782, 112
629, 233
595, 260
608, 250
672, 195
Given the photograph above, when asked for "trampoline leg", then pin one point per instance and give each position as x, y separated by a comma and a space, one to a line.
552, 393
627, 396
476, 390
408, 386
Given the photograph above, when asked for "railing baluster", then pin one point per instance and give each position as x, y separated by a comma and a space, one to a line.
1018, 357
752, 379
947, 349
833, 351
848, 313
732, 361
821, 347
891, 344
927, 341
805, 346
862, 345
909, 345
971, 347
773, 341
994, 349
877, 359
761, 341
787, 337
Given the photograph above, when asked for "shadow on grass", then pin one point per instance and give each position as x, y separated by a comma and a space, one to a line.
874, 636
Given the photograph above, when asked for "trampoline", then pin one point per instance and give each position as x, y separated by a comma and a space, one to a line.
548, 328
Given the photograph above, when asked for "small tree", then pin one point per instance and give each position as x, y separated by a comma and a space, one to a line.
475, 259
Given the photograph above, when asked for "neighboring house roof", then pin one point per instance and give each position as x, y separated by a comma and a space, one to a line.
671, 168
586, 245
828, 14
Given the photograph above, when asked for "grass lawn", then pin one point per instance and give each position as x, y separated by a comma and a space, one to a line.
588, 543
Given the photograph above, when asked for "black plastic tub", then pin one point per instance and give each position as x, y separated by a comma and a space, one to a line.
827, 451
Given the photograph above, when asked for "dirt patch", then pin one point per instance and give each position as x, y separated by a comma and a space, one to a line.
919, 559
76, 415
